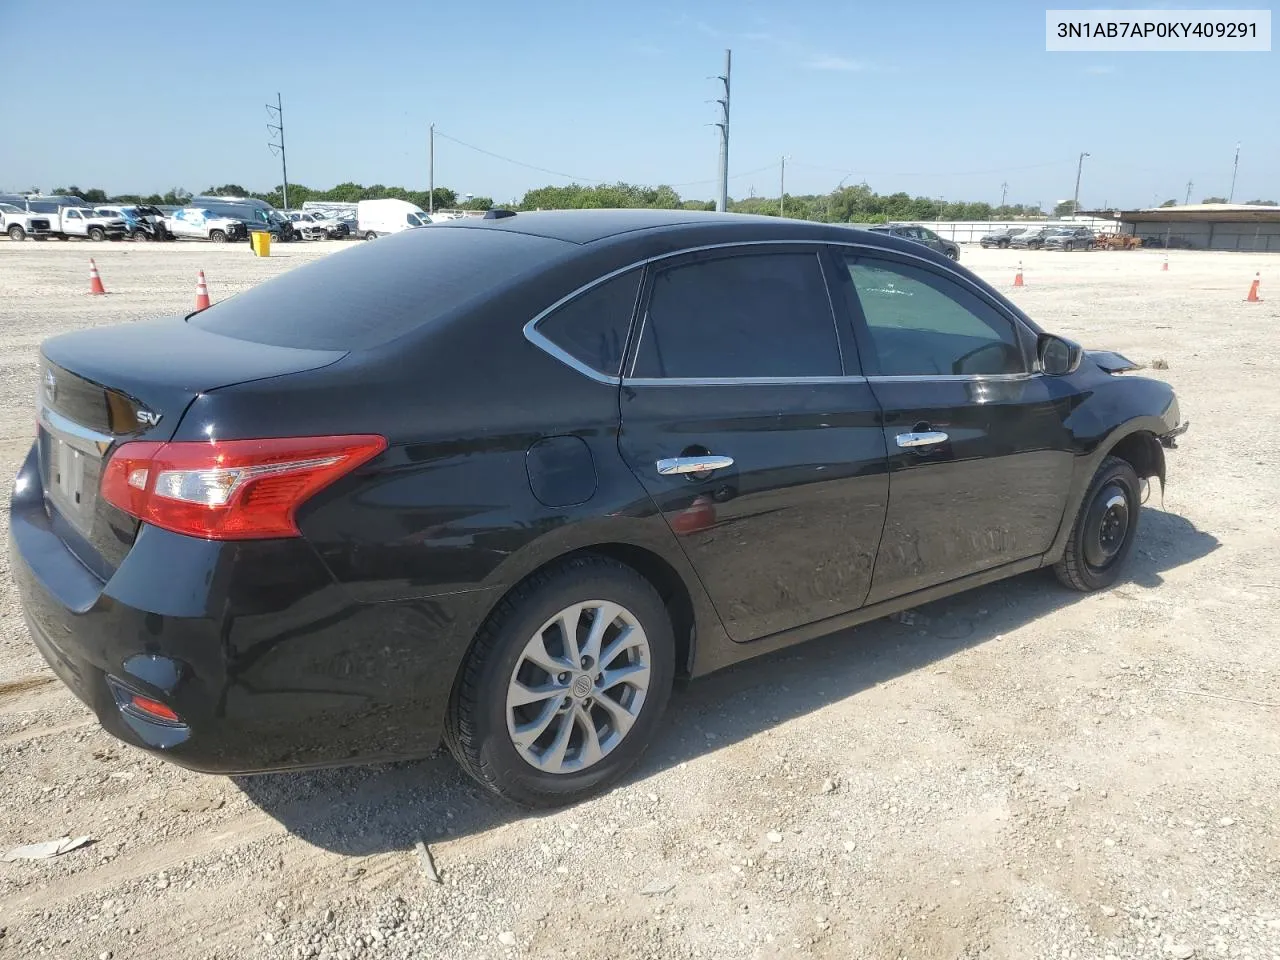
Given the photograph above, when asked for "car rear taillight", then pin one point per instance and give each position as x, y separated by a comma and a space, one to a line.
229, 489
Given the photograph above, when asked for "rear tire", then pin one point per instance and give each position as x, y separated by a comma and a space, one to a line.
481, 725
1103, 534
16, 233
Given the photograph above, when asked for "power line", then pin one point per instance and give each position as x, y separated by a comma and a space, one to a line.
927, 173
569, 176
519, 163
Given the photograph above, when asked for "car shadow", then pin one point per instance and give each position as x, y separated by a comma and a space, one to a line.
359, 811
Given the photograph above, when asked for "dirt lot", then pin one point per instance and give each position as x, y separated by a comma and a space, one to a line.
1020, 772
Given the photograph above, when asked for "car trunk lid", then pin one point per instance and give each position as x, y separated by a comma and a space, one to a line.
101, 387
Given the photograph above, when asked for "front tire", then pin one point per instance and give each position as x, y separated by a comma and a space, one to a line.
564, 685
97, 234
17, 234
218, 236
370, 235
1103, 535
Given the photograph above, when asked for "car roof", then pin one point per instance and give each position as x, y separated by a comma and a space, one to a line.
596, 226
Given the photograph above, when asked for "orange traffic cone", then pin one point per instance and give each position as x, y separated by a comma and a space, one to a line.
95, 281
202, 292
1165, 266
1253, 289
1017, 280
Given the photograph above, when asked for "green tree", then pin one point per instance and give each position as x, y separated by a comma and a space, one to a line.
227, 190
1214, 200
1169, 203
478, 203
1063, 209
1261, 203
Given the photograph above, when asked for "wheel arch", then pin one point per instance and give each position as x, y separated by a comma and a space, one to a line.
1135, 441
659, 571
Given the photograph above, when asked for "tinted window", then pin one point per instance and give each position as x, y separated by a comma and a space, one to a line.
379, 291
43, 206
743, 316
73, 214
592, 327
923, 324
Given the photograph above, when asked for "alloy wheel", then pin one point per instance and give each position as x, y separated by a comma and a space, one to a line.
578, 686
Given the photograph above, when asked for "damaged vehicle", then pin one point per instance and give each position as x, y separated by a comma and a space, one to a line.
322, 522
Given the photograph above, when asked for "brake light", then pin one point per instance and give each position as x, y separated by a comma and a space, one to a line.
229, 489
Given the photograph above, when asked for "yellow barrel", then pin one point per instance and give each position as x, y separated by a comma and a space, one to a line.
260, 240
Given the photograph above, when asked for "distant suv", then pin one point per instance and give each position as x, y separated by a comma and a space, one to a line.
1030, 239
911, 231
1000, 238
1070, 238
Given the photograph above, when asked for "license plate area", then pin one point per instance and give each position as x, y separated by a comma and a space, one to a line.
71, 468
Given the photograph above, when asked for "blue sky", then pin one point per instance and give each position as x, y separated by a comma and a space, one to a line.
944, 99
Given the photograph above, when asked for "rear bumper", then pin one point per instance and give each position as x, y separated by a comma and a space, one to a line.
267, 662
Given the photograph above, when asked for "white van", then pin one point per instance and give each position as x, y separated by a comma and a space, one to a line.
376, 218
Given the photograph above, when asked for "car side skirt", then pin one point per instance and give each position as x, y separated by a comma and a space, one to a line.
709, 657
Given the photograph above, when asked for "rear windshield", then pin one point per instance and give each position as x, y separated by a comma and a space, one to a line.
378, 291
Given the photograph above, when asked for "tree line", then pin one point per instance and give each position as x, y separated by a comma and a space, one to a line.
857, 203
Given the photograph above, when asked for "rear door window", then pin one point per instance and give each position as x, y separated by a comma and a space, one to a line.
739, 316
592, 327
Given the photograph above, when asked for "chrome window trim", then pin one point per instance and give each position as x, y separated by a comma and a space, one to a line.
538, 340
734, 381
959, 377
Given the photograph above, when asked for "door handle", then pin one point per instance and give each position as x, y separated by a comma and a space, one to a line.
925, 439
674, 465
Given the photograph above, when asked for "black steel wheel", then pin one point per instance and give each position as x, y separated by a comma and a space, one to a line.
1103, 536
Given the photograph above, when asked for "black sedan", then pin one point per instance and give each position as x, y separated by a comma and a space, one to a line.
919, 234
504, 480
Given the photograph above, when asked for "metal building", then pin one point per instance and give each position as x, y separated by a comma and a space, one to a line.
1204, 226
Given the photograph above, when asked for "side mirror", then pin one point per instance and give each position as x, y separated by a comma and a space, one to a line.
1058, 356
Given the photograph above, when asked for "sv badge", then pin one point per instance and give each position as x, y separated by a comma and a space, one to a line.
149, 419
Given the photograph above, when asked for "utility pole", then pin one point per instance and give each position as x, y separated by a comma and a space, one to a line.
1004, 192
1075, 203
1235, 167
722, 201
782, 188
431, 170
1188, 200
278, 128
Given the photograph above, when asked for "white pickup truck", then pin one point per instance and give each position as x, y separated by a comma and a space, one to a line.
76, 219
197, 223
85, 223
19, 224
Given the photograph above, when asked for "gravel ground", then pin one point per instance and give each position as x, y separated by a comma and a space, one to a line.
1019, 772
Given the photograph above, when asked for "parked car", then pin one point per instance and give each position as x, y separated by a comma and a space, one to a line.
72, 217
919, 234
257, 215
1070, 238
378, 218
200, 223
142, 222
1000, 238
19, 223
314, 226
321, 522
1030, 239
